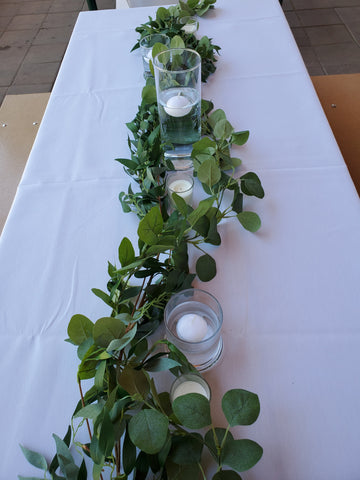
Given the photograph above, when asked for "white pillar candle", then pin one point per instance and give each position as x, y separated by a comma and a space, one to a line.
177, 106
189, 386
183, 188
192, 327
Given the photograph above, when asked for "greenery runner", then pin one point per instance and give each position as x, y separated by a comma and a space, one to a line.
136, 432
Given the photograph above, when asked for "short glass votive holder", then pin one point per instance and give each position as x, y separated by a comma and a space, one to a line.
191, 25
189, 383
193, 320
181, 183
146, 45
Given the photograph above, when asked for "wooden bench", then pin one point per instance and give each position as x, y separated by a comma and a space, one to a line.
20, 117
340, 98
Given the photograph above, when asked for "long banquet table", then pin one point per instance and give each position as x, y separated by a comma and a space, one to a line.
290, 293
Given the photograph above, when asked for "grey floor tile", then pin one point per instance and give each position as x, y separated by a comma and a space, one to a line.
315, 70
60, 6
35, 88
36, 73
17, 37
3, 91
322, 16
293, 19
308, 4
4, 22
287, 5
53, 35
349, 14
354, 29
301, 37
309, 56
45, 53
67, 19
338, 54
33, 7
328, 34
9, 9
22, 22
340, 69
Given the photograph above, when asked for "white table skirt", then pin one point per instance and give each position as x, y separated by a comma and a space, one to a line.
290, 293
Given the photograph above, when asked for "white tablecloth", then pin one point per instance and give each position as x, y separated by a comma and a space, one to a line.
290, 293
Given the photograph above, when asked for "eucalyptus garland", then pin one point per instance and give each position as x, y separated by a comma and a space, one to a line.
136, 431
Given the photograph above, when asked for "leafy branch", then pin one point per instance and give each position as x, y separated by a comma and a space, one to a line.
135, 430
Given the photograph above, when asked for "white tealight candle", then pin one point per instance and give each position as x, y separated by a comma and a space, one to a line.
148, 56
189, 387
192, 327
183, 188
190, 27
177, 106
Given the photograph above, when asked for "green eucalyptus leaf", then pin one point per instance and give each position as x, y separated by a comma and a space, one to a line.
202, 226
128, 454
135, 382
89, 411
251, 185
240, 138
240, 407
66, 461
203, 146
192, 410
119, 344
99, 375
82, 475
126, 252
148, 95
226, 475
151, 226
162, 14
80, 328
36, 459
177, 42
157, 48
106, 436
182, 472
160, 364
201, 210
206, 268
223, 129
104, 296
95, 452
209, 172
241, 454
214, 438
107, 329
216, 116
213, 236
249, 220
237, 203
148, 430
186, 450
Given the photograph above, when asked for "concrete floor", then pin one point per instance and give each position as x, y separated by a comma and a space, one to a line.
34, 36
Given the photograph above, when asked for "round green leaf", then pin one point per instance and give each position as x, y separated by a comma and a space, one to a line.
240, 407
249, 220
151, 226
192, 410
79, 329
210, 440
206, 268
226, 475
186, 450
209, 172
177, 42
251, 185
148, 430
241, 454
107, 329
